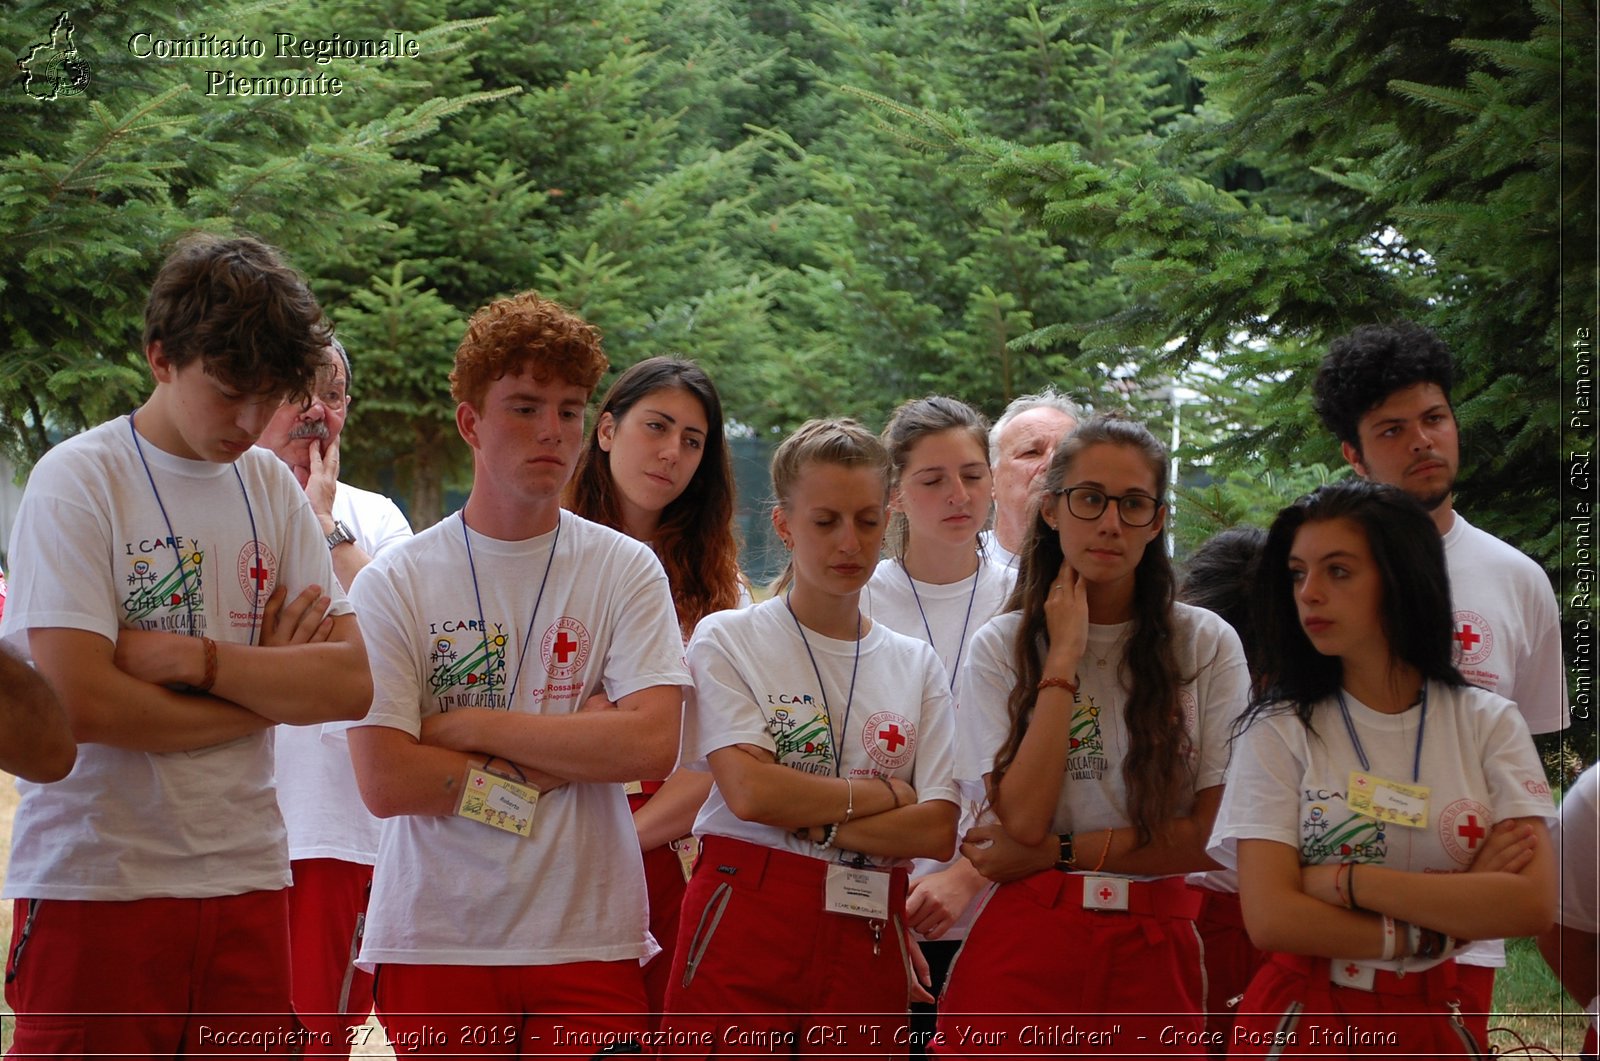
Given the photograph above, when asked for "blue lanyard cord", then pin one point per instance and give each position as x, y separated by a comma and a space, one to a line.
483, 627
844, 725
172, 536
961, 646
1361, 753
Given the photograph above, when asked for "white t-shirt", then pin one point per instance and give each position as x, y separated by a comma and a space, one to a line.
1093, 793
953, 614
452, 891
1575, 835
92, 551
1507, 629
1508, 641
754, 684
322, 808
1288, 784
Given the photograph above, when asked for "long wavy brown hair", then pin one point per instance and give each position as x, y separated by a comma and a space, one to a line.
1155, 769
694, 538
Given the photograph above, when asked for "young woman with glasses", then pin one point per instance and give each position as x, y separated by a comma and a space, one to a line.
1379, 809
1097, 710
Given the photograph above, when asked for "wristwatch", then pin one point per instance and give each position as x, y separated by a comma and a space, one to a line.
340, 534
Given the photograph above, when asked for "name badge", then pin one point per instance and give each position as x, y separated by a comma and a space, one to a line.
498, 802
857, 892
633, 788
688, 849
1388, 801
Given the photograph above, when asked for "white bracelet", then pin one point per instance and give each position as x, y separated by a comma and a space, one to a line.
1388, 938
833, 833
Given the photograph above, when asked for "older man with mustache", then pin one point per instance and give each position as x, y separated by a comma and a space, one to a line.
333, 840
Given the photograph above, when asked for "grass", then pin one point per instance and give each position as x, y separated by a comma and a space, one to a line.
1536, 1018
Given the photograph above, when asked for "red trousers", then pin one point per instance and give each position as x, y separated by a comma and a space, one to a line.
663, 879
327, 905
152, 977
1477, 986
572, 1010
1230, 961
1293, 1009
761, 968
1041, 975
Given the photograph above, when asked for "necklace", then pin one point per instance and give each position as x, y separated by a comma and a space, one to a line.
483, 628
844, 725
1102, 662
183, 577
961, 645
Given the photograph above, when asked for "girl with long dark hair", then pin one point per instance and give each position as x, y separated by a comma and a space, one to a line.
1379, 809
656, 467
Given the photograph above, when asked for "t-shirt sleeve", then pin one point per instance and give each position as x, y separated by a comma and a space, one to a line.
387, 628
1261, 797
1518, 787
1222, 687
391, 527
646, 645
933, 776
61, 568
1541, 690
984, 687
721, 709
1575, 837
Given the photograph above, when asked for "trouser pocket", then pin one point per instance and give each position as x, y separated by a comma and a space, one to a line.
710, 918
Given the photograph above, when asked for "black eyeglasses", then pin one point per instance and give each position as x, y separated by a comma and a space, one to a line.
1089, 502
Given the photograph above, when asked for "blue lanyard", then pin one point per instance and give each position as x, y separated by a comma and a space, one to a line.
844, 725
172, 537
483, 627
961, 646
1361, 753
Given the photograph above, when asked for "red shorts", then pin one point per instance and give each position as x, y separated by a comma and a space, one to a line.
572, 1010
1041, 974
761, 968
327, 905
1230, 961
663, 879
1293, 1009
152, 977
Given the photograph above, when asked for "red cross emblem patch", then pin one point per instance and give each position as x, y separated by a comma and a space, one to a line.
564, 648
1474, 638
1463, 828
258, 572
890, 739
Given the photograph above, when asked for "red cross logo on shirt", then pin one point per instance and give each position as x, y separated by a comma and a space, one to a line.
1471, 832
259, 576
891, 737
565, 647
1467, 638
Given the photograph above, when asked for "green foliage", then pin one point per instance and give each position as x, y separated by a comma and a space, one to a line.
94, 187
